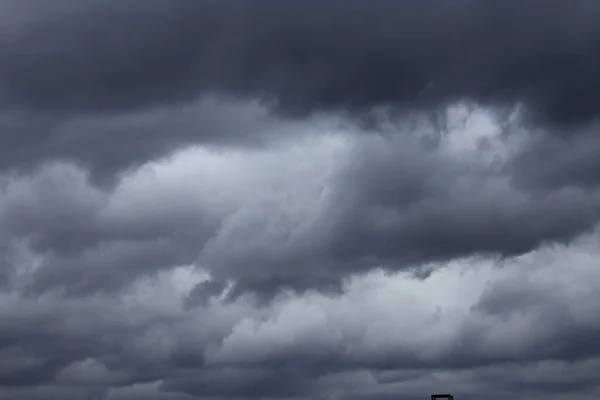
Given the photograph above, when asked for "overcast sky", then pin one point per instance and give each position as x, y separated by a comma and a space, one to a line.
299, 200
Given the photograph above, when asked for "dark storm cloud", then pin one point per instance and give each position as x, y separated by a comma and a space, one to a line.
305, 56
41, 340
108, 144
204, 292
547, 162
244, 383
123, 60
143, 289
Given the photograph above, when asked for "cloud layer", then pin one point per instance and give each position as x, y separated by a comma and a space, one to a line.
304, 55
299, 58
299, 200
527, 329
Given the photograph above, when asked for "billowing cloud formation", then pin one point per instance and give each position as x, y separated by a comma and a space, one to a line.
299, 200
528, 328
141, 290
301, 214
98, 58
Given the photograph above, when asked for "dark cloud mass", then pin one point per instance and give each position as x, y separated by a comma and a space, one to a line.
318, 199
305, 55
301, 57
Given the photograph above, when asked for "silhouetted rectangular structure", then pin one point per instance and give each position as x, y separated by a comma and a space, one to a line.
442, 396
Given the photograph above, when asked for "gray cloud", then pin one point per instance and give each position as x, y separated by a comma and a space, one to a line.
394, 204
112, 98
304, 55
110, 144
470, 328
267, 219
299, 200
547, 162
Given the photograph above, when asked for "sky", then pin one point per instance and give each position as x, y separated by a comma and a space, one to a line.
299, 200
